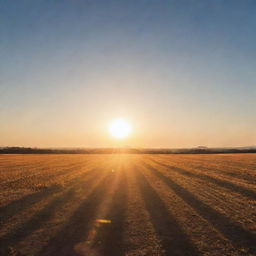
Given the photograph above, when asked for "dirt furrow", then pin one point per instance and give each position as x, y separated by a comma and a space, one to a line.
237, 207
140, 236
240, 237
173, 239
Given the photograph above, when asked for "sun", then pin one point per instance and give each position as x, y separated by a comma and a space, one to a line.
120, 128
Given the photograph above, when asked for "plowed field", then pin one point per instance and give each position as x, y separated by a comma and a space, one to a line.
95, 205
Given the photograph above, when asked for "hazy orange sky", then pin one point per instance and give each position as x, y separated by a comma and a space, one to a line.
182, 73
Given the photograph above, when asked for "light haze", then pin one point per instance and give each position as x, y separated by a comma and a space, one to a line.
182, 72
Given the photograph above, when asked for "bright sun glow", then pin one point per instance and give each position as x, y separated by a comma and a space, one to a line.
120, 128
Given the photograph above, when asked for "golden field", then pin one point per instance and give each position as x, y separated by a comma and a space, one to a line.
113, 205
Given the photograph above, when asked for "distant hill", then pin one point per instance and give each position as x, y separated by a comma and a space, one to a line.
197, 150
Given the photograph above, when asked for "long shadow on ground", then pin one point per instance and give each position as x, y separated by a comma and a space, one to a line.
25, 202
223, 183
231, 230
174, 241
77, 228
28, 201
39, 219
110, 238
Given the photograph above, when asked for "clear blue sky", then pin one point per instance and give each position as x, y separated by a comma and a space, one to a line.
182, 72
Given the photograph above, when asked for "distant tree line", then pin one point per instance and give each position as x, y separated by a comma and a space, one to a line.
198, 150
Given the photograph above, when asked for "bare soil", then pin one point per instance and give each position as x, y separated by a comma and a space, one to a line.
117, 205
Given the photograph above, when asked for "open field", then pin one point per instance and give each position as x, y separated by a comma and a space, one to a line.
115, 205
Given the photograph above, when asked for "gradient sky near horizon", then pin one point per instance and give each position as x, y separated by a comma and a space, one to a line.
182, 72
